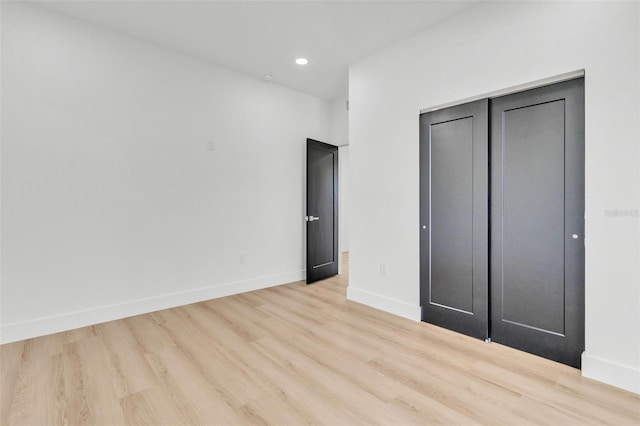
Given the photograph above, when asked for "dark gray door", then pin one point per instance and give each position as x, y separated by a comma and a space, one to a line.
453, 218
322, 210
537, 221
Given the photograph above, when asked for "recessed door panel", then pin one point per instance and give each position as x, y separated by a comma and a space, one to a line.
321, 204
451, 145
533, 216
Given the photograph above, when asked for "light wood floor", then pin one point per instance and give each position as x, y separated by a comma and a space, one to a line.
290, 355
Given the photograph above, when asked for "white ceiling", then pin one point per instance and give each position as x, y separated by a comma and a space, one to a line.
258, 37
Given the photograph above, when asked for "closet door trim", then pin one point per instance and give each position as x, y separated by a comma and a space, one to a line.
510, 90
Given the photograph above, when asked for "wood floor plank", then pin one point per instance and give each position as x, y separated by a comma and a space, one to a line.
361, 404
279, 381
620, 401
148, 332
287, 309
329, 394
272, 410
53, 344
576, 407
92, 386
126, 356
227, 308
311, 300
537, 413
295, 354
189, 391
10, 359
250, 298
160, 317
234, 384
436, 342
37, 391
344, 363
430, 410
483, 407
261, 323
152, 407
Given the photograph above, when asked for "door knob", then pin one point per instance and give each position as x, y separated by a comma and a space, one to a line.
312, 218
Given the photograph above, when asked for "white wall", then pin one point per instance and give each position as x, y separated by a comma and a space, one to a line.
111, 203
343, 156
339, 122
490, 47
340, 137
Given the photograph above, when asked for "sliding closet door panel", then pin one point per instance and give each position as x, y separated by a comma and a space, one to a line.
454, 218
533, 216
537, 221
451, 214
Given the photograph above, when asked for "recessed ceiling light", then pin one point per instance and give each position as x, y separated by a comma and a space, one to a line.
302, 61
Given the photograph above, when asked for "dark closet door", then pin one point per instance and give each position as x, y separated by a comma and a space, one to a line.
453, 218
537, 221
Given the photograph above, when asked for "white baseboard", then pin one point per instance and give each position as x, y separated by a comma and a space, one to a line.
68, 321
618, 375
384, 303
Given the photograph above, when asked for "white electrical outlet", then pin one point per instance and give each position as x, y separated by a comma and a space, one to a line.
243, 259
211, 145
